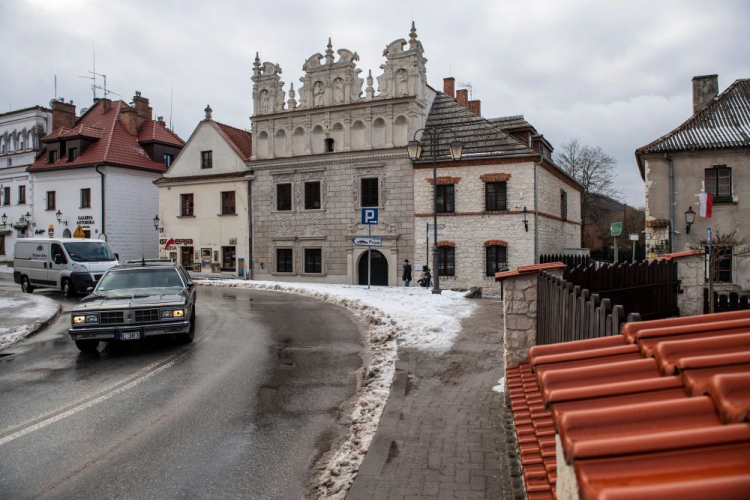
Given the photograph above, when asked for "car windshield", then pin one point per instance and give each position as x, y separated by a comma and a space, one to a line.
140, 278
89, 251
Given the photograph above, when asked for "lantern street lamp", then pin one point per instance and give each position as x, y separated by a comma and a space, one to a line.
414, 149
27, 217
689, 219
59, 215
4, 218
156, 222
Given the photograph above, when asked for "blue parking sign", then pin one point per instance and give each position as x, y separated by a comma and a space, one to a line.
369, 216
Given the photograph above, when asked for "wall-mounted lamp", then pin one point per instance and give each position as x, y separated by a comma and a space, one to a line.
261, 265
4, 218
27, 217
59, 215
156, 222
689, 219
526, 219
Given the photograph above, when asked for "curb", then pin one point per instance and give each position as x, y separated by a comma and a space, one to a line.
40, 325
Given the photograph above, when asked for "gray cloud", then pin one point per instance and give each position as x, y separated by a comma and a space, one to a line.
613, 74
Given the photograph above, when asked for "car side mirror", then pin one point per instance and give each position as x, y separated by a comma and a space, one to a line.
191, 284
59, 259
117, 257
90, 289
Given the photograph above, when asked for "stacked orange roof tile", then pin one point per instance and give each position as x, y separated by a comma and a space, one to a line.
659, 411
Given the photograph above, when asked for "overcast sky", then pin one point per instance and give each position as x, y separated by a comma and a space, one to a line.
612, 74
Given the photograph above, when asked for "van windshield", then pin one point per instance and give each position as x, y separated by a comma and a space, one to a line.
89, 252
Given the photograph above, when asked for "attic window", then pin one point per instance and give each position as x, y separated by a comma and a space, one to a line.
52, 158
329, 145
168, 160
207, 159
72, 154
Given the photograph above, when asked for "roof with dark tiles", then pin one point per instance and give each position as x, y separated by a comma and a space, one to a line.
111, 142
668, 419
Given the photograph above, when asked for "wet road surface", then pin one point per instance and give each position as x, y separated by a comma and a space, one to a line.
242, 412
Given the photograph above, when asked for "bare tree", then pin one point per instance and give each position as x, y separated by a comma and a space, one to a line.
594, 170
723, 246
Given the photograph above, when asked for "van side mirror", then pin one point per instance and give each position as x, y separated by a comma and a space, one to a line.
117, 256
59, 259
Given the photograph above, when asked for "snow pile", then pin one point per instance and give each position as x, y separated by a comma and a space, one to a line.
412, 317
500, 387
4, 269
32, 307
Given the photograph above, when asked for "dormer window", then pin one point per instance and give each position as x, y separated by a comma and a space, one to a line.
52, 156
168, 160
72, 154
329, 145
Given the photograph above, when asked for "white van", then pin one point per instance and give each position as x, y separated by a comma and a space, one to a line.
68, 264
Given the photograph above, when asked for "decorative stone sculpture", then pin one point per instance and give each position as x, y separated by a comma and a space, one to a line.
318, 92
208, 111
402, 82
338, 91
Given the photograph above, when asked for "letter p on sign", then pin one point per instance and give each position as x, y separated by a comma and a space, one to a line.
369, 216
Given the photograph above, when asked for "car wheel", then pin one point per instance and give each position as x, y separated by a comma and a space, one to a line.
186, 338
68, 288
87, 345
26, 285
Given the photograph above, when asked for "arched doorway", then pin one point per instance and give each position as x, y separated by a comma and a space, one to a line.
379, 270
66, 234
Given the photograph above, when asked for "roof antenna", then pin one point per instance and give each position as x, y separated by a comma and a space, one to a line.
55, 87
171, 100
468, 86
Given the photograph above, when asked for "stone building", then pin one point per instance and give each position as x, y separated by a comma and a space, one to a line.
318, 161
709, 153
204, 202
20, 132
506, 176
96, 173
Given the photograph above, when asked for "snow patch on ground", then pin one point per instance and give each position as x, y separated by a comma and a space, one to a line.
413, 317
37, 308
5, 269
500, 387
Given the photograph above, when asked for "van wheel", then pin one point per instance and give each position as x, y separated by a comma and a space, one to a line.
87, 345
68, 288
26, 285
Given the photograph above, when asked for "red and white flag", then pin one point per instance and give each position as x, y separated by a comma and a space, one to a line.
707, 205
169, 242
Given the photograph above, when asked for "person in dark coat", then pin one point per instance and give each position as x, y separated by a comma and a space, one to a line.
426, 278
406, 277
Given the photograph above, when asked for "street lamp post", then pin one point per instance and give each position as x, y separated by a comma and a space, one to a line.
414, 148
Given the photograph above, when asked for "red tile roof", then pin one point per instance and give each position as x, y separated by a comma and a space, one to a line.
531, 269
116, 146
659, 411
153, 131
240, 140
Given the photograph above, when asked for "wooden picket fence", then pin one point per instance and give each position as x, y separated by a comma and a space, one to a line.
724, 302
571, 261
591, 302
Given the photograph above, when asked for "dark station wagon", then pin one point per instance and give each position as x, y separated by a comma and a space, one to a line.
133, 301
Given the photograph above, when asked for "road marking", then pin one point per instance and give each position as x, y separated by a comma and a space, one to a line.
101, 398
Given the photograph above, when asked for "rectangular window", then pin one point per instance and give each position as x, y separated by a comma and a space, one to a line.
86, 198
207, 159
313, 260
719, 183
446, 261
6, 196
496, 259
284, 260
722, 266
52, 156
186, 205
227, 203
168, 160
21, 195
445, 199
369, 192
50, 200
495, 196
312, 195
564, 205
10, 162
72, 154
283, 197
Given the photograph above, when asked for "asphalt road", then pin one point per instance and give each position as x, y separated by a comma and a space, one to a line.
242, 412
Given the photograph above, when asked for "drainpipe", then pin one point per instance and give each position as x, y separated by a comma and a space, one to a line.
671, 202
249, 267
536, 210
103, 204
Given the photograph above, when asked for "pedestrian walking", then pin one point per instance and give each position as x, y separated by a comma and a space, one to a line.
406, 277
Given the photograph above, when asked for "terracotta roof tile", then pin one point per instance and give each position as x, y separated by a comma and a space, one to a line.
240, 140
115, 147
153, 131
669, 423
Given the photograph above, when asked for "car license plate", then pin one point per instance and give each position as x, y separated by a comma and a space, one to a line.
131, 335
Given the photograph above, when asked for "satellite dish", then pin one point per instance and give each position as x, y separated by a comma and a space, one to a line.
83, 111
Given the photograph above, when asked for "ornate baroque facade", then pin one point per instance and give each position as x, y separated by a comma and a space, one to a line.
319, 160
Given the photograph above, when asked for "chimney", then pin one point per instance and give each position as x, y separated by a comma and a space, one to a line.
705, 88
129, 119
63, 115
106, 104
142, 107
462, 96
449, 86
160, 121
476, 106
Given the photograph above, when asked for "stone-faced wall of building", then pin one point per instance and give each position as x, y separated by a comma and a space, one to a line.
556, 234
319, 161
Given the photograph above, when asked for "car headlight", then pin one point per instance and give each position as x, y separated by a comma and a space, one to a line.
79, 267
77, 320
92, 318
176, 313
